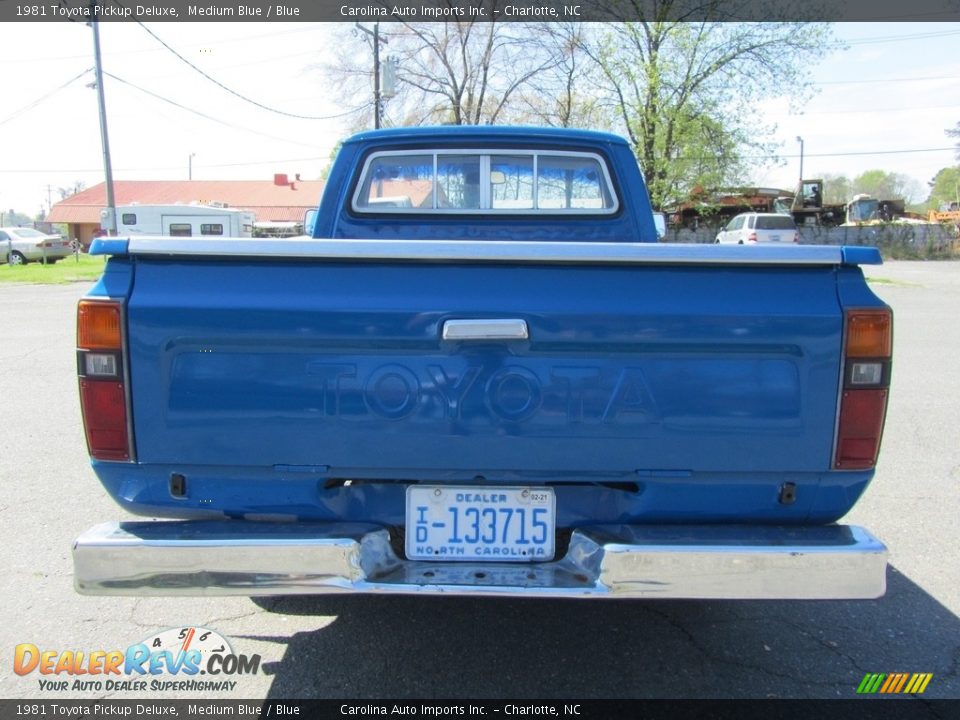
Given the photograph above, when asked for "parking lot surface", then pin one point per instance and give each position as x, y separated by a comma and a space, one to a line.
411, 647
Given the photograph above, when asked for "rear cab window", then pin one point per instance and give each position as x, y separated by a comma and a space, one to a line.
485, 181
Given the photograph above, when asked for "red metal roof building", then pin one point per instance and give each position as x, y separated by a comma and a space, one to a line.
279, 200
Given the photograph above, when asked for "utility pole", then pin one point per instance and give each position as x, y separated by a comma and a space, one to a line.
377, 99
800, 140
110, 220
190, 166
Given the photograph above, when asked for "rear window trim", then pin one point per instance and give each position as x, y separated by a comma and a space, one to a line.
435, 151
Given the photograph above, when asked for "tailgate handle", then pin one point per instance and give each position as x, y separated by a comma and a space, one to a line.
492, 329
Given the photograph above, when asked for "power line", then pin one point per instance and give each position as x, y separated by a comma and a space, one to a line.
268, 162
140, 51
886, 80
787, 156
865, 152
901, 38
309, 159
4, 171
39, 100
911, 109
204, 115
239, 95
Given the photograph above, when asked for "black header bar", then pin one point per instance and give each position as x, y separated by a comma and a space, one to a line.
476, 10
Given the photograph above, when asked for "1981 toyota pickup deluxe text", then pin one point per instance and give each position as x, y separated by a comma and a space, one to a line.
482, 374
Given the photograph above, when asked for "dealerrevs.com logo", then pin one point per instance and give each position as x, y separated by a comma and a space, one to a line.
190, 659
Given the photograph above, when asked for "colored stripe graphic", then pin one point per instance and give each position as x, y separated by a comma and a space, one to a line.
927, 677
901, 681
871, 683
894, 683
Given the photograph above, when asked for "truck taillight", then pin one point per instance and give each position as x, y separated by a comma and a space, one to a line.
868, 348
103, 391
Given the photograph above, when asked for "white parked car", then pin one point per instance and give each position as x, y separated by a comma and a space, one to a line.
750, 228
20, 245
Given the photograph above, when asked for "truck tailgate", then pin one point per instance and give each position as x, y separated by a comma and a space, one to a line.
623, 369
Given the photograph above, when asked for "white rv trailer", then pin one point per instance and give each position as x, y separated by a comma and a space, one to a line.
184, 221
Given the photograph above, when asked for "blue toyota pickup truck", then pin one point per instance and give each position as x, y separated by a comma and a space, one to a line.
482, 374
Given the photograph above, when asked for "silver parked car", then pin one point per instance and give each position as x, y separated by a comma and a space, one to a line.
20, 245
750, 228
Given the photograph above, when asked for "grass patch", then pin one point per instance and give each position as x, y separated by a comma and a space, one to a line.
83, 268
888, 281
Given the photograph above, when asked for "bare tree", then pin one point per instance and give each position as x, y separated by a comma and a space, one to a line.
65, 192
566, 93
463, 73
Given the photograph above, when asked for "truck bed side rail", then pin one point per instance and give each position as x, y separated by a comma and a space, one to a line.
488, 251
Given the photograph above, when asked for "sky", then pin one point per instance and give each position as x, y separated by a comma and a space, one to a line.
884, 102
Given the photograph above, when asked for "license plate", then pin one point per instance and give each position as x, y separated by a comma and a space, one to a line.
486, 524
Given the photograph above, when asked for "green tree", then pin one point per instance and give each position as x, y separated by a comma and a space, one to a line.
944, 188
688, 93
837, 189
885, 185
12, 218
325, 173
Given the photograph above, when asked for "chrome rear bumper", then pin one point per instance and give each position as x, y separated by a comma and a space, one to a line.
237, 557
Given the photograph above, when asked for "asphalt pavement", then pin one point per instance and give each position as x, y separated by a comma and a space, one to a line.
410, 647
